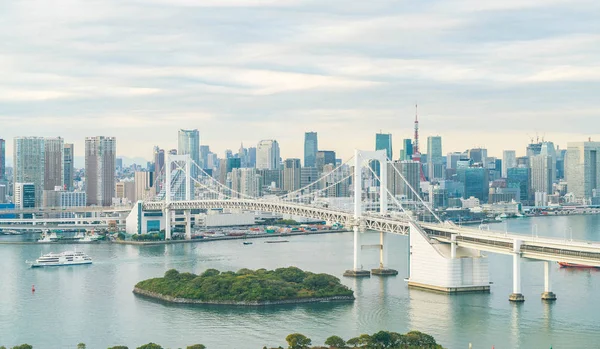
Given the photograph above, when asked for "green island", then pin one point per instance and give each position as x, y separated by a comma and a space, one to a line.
245, 287
379, 340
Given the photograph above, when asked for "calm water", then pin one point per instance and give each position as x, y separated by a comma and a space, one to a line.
94, 304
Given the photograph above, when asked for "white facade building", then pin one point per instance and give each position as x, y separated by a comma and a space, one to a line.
267, 155
583, 169
509, 160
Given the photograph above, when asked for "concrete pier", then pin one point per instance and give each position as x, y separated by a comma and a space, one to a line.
384, 272
547, 295
516, 296
357, 273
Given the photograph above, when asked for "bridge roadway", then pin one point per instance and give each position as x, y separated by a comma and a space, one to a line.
535, 248
50, 210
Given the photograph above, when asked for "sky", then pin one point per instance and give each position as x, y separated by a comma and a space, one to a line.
488, 74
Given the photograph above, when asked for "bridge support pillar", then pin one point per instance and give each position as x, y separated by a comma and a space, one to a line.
382, 270
516, 296
547, 295
167, 224
357, 270
188, 224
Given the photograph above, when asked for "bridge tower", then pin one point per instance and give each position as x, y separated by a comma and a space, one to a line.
174, 162
360, 159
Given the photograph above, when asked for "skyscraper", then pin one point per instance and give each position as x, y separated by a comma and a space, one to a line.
435, 158
29, 164
69, 165
583, 168
542, 174
477, 183
54, 163
291, 174
509, 160
159, 161
189, 143
384, 141
324, 157
100, 163
408, 149
311, 146
520, 177
267, 155
2, 159
478, 155
204, 151
548, 149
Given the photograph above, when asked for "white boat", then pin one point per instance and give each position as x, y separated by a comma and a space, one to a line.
52, 237
60, 259
504, 215
498, 218
89, 237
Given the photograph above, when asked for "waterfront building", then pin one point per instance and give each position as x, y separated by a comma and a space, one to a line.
69, 166
509, 160
29, 164
311, 146
188, 142
542, 173
476, 183
520, 177
291, 174
324, 157
2, 160
59, 198
583, 169
435, 166
267, 155
100, 162
24, 197
54, 163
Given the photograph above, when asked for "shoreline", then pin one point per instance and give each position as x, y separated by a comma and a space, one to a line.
169, 299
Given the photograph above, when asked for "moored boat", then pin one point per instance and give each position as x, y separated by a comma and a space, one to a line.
573, 265
48, 237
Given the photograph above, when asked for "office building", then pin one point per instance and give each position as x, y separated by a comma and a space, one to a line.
60, 198
324, 157
100, 162
308, 175
311, 146
247, 182
435, 161
509, 160
119, 164
144, 181
204, 151
520, 177
407, 148
24, 197
159, 161
383, 141
69, 166
583, 169
267, 155
2, 160
542, 173
533, 149
452, 159
226, 166
271, 178
252, 157
54, 163
189, 143
29, 164
291, 174
411, 171
476, 183
548, 149
3, 193
478, 155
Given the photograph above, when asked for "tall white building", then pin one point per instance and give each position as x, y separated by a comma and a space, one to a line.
100, 162
542, 174
434, 158
583, 169
267, 155
144, 180
509, 160
246, 181
549, 149
29, 164
291, 174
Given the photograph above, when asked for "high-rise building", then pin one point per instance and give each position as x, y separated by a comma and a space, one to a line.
435, 165
291, 174
159, 161
533, 149
226, 166
69, 166
509, 160
119, 164
520, 177
3, 193
311, 146
2, 159
267, 155
411, 170
477, 183
548, 149
324, 157
308, 175
100, 163
407, 149
478, 155
54, 163
144, 181
452, 159
583, 169
246, 181
252, 157
383, 141
63, 199
542, 173
204, 151
29, 164
271, 178
189, 143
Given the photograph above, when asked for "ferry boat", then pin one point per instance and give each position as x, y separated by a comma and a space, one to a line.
60, 259
89, 236
573, 265
46, 237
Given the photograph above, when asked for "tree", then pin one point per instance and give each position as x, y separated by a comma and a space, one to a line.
417, 338
196, 346
119, 347
335, 342
150, 346
23, 346
81, 346
298, 341
381, 339
354, 342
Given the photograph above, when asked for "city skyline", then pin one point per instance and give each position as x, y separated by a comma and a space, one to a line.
325, 68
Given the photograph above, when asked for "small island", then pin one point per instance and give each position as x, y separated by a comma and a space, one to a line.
245, 287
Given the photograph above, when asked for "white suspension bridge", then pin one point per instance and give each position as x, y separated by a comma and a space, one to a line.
443, 256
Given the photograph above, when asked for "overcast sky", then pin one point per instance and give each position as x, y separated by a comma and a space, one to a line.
484, 73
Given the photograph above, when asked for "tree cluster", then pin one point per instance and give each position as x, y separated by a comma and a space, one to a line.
246, 285
379, 340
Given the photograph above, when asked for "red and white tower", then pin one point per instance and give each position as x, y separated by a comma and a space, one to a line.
416, 153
